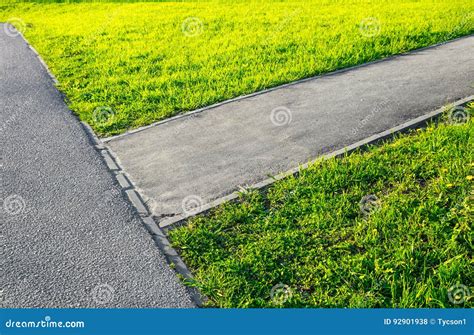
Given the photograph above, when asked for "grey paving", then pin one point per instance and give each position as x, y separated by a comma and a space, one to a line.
210, 154
72, 240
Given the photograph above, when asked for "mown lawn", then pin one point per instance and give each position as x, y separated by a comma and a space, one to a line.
309, 241
124, 65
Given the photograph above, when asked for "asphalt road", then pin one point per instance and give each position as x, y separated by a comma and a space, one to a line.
68, 236
200, 157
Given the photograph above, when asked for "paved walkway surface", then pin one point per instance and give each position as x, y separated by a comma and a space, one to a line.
195, 159
68, 236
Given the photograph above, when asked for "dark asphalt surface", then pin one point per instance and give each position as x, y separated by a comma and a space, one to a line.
68, 236
200, 157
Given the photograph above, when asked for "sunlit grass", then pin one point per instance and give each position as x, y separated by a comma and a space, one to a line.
308, 234
136, 59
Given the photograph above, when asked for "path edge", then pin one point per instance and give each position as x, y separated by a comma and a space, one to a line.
136, 200
130, 193
421, 121
159, 230
278, 87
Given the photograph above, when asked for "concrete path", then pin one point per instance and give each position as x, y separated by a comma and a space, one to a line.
68, 236
189, 161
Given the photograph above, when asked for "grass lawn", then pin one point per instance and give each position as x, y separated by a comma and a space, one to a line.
309, 241
124, 65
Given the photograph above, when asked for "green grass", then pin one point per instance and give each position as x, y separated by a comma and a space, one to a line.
136, 60
308, 232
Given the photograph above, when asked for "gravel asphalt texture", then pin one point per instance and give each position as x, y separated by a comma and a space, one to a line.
69, 238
